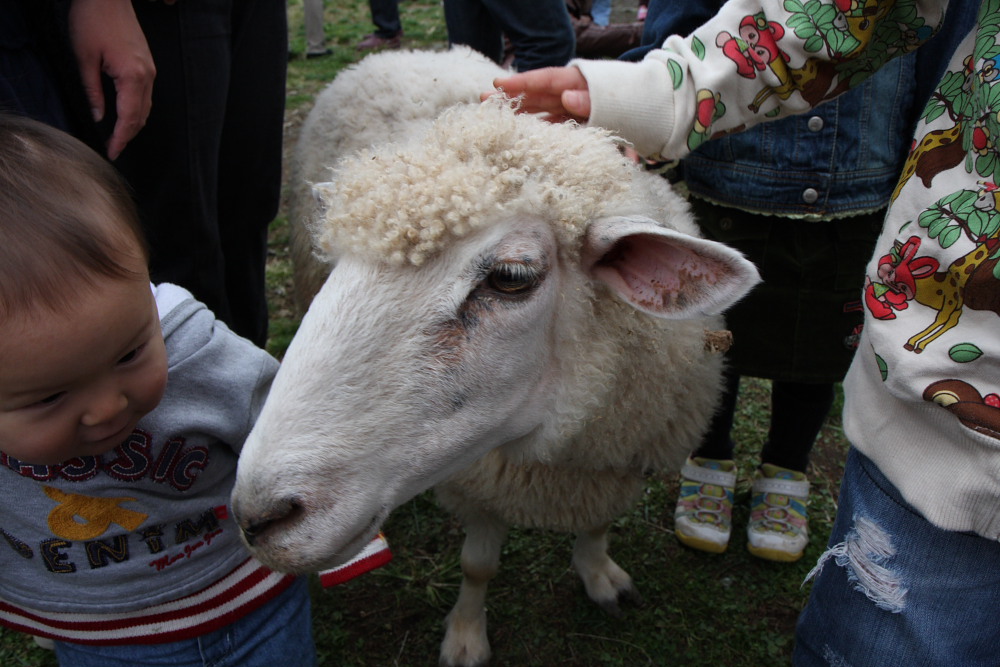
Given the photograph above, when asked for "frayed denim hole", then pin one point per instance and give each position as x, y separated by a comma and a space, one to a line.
865, 552
834, 659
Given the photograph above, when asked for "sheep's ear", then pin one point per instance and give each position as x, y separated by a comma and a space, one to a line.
664, 272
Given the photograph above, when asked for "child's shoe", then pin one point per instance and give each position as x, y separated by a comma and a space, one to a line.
778, 528
704, 516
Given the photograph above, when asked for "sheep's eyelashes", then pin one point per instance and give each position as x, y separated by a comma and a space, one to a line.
512, 278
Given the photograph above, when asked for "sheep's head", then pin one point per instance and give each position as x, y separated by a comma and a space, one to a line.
460, 318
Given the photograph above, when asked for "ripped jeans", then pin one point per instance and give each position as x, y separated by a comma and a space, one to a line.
895, 591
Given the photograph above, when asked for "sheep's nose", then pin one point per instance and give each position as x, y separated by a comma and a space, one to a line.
255, 525
251, 532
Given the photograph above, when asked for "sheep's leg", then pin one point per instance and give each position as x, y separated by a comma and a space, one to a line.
606, 583
465, 643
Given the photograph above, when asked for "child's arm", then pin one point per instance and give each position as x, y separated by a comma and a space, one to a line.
755, 60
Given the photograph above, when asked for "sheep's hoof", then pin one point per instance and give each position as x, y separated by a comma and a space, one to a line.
628, 596
447, 663
465, 643
463, 658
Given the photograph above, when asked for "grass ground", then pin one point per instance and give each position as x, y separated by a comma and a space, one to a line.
700, 610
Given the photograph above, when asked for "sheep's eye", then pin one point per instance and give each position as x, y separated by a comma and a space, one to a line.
512, 278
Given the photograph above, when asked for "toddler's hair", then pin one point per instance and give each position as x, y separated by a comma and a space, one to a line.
66, 217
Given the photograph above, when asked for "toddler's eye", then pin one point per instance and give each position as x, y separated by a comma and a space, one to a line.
49, 400
131, 355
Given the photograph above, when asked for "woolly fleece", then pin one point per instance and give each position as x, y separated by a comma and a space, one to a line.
476, 163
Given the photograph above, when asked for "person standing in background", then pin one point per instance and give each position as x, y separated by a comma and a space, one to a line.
389, 27
206, 169
539, 31
312, 16
803, 198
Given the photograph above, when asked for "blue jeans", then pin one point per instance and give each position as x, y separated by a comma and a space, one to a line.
539, 30
924, 596
600, 11
279, 633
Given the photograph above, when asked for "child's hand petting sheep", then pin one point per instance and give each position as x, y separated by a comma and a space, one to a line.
559, 92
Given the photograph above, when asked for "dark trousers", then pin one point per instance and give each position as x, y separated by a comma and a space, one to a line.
539, 30
385, 16
206, 168
798, 410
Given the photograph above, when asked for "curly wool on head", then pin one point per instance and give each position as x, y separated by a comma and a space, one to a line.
476, 163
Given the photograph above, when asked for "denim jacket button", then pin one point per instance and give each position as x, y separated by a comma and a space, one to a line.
815, 124
809, 196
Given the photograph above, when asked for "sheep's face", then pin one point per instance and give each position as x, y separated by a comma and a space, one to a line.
461, 306
399, 377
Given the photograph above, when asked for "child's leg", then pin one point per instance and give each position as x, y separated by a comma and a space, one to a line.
279, 633
779, 527
894, 589
703, 515
718, 443
798, 410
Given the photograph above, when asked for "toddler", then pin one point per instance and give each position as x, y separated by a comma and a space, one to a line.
123, 407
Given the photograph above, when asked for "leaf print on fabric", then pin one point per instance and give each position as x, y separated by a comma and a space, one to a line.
970, 100
676, 73
698, 48
963, 353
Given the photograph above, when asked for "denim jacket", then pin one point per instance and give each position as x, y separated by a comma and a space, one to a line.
842, 158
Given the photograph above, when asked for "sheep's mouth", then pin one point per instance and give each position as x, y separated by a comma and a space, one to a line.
281, 519
360, 540
289, 540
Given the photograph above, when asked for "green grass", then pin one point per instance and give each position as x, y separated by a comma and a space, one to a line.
700, 610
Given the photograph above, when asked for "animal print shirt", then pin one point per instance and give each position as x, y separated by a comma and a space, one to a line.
138, 545
923, 393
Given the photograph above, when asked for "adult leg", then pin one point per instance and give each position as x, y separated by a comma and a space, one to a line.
471, 24
601, 12
250, 157
172, 164
312, 11
895, 590
540, 31
385, 16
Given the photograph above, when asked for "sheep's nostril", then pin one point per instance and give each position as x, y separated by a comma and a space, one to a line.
255, 526
251, 532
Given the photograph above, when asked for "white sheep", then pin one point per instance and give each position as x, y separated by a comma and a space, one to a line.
393, 92
517, 317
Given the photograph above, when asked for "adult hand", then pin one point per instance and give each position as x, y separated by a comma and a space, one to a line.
561, 93
106, 37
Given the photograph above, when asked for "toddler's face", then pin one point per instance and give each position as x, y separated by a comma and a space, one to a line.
76, 382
